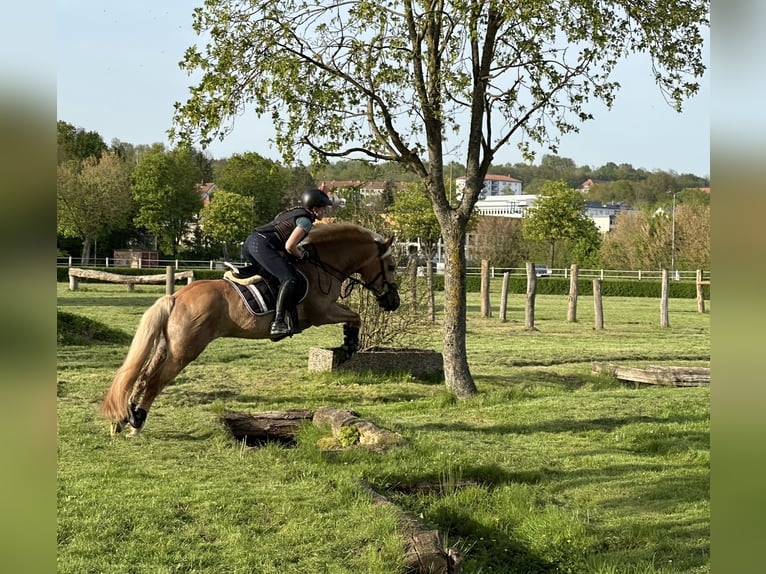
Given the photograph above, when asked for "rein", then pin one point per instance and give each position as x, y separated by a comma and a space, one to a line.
352, 281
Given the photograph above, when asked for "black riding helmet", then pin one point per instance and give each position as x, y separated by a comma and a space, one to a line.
315, 198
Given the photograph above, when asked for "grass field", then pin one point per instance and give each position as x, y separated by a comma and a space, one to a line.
550, 469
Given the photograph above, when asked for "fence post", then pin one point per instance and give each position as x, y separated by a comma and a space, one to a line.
700, 293
504, 296
529, 310
598, 306
486, 310
572, 308
664, 318
170, 280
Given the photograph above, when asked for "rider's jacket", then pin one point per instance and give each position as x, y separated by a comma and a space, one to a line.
284, 223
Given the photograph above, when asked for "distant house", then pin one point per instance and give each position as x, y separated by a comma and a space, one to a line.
206, 192
604, 215
341, 191
494, 185
588, 183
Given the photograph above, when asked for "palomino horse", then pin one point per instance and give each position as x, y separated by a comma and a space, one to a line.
177, 328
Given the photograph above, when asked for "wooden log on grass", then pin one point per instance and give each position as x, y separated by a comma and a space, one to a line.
369, 433
657, 374
267, 425
425, 550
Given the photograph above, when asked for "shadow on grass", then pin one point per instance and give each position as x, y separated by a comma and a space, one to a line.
604, 424
490, 548
146, 301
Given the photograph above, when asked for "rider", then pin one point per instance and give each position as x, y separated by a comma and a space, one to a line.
269, 245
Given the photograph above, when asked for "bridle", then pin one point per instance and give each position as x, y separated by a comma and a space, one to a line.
387, 290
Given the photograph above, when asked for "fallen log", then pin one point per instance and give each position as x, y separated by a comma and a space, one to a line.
369, 433
256, 428
424, 547
657, 374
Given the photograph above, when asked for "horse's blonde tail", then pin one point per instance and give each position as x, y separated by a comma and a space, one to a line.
151, 330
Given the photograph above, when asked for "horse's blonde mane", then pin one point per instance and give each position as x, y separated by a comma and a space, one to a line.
343, 232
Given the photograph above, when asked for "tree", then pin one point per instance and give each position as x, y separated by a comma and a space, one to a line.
261, 179
558, 213
93, 198
395, 80
164, 185
76, 143
228, 219
500, 240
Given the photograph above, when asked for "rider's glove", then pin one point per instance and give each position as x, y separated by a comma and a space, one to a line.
305, 256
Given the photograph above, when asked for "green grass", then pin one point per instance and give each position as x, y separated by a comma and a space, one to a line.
550, 469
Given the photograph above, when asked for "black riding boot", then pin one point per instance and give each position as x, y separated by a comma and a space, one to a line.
279, 327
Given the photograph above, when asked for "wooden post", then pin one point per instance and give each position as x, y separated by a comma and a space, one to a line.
664, 318
700, 293
170, 280
572, 308
486, 310
504, 297
529, 310
74, 282
598, 306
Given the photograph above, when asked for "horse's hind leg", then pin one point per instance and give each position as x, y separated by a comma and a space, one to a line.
150, 388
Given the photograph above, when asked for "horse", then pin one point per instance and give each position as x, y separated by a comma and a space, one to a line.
175, 330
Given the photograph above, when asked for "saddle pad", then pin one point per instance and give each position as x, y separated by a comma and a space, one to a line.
258, 298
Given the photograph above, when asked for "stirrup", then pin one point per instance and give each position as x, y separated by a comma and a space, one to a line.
279, 328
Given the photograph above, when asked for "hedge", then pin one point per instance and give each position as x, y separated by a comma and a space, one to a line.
611, 287
545, 285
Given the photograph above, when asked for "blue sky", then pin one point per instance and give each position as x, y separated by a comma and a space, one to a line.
118, 74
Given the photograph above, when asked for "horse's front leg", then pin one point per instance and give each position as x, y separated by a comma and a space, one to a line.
350, 341
352, 322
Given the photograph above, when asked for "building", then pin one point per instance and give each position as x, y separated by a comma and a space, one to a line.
494, 185
604, 215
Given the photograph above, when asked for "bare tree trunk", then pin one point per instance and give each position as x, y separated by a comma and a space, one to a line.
85, 255
486, 308
529, 311
572, 308
664, 317
457, 375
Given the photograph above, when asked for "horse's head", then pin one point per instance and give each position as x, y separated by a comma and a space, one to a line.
349, 249
378, 274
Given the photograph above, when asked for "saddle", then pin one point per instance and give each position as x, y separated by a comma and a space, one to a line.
259, 292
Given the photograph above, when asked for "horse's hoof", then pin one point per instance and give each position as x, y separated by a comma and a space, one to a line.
133, 433
116, 428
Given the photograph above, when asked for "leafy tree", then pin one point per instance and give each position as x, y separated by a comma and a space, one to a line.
228, 219
164, 187
558, 214
93, 198
392, 81
262, 180
76, 143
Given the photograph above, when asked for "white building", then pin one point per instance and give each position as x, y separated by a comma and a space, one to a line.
493, 185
